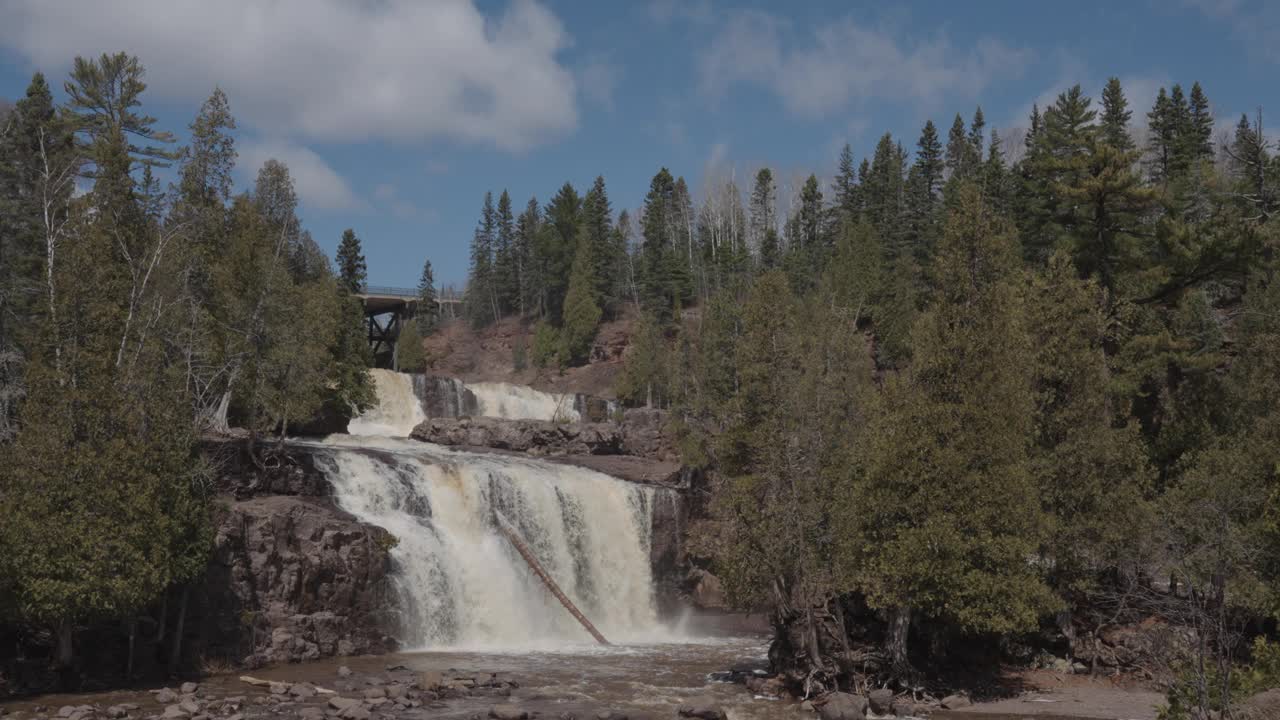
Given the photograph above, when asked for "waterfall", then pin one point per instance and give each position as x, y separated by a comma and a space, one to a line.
458, 581
520, 402
397, 410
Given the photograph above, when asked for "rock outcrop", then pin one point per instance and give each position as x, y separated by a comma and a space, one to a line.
639, 434
295, 578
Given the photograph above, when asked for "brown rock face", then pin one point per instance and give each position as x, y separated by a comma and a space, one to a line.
640, 434
296, 579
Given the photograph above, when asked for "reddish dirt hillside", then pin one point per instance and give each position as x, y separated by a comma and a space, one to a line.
488, 355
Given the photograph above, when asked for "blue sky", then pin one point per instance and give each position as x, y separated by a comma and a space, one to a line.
396, 117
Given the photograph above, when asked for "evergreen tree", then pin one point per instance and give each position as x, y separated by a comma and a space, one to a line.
581, 312
845, 186
1198, 144
763, 229
505, 274
558, 243
428, 314
528, 269
1082, 461
977, 127
597, 231
883, 193
481, 300
352, 271
1115, 117
959, 150
945, 459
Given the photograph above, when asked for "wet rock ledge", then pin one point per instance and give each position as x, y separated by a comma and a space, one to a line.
634, 449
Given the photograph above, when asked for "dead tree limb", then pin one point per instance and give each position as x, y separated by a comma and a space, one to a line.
509, 530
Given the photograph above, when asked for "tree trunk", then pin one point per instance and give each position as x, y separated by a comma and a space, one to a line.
538, 570
164, 616
133, 634
66, 648
899, 628
175, 654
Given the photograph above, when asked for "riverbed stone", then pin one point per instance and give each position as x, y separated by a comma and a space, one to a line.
189, 688
302, 690
337, 702
344, 671
843, 706
703, 709
174, 712
507, 712
374, 692
165, 696
955, 702
189, 707
881, 701
355, 712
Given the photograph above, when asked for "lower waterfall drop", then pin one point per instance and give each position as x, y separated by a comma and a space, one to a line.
459, 582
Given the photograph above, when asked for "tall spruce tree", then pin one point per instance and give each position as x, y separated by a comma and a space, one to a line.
506, 279
1116, 116
482, 297
428, 314
763, 229
353, 273
945, 455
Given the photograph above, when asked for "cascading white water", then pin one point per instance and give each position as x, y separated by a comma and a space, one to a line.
459, 582
520, 402
397, 410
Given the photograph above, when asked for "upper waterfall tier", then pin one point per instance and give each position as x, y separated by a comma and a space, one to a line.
404, 400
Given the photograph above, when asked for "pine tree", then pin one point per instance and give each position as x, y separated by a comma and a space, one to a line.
1083, 462
481, 300
581, 312
428, 313
1199, 137
977, 127
352, 271
945, 456
597, 231
557, 245
883, 192
658, 252
959, 150
763, 229
1116, 116
505, 274
1161, 132
844, 188
532, 292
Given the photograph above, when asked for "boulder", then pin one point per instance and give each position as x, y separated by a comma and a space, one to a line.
507, 712
189, 688
1263, 706
843, 706
881, 701
302, 690
173, 712
955, 702
337, 702
430, 680
165, 696
374, 693
190, 707
344, 671
355, 712
703, 709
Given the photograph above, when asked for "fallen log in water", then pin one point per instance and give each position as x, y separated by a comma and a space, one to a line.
509, 530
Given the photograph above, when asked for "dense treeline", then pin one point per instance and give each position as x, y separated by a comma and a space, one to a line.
134, 319
968, 394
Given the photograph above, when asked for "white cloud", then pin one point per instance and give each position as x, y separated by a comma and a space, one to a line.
318, 185
599, 80
330, 70
824, 70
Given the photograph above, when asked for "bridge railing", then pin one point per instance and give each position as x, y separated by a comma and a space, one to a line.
443, 295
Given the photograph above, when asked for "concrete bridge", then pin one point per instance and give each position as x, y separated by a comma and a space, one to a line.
387, 308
